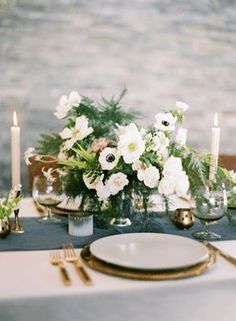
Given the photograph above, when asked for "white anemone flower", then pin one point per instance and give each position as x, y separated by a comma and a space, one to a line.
165, 122
151, 176
116, 183
30, 152
79, 132
66, 103
103, 192
108, 158
181, 107
131, 145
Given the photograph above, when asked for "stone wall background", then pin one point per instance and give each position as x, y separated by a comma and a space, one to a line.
162, 51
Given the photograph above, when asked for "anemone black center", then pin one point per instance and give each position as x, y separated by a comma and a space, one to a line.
110, 158
165, 123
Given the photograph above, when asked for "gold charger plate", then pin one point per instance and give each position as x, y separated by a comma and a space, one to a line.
63, 211
156, 275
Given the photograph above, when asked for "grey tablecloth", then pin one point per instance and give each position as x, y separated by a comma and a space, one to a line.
40, 236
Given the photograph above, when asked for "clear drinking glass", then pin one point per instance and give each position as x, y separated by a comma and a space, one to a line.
49, 194
211, 205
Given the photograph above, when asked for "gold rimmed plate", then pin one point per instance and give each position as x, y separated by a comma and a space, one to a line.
154, 275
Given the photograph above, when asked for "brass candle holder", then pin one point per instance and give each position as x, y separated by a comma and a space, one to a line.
17, 227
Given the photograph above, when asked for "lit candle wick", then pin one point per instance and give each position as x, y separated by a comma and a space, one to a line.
216, 120
15, 123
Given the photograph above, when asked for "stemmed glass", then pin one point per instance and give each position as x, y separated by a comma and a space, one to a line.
49, 194
211, 205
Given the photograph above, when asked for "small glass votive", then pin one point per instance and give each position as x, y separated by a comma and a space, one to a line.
80, 224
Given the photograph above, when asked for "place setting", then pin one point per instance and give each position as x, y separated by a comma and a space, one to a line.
148, 256
139, 256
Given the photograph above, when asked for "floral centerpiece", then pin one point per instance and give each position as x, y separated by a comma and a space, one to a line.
107, 160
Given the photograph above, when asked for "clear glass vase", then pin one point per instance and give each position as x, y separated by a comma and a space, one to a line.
120, 210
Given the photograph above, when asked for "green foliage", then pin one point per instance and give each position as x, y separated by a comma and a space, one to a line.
196, 165
49, 144
232, 200
8, 204
103, 118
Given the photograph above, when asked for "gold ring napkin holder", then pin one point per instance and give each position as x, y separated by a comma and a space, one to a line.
155, 275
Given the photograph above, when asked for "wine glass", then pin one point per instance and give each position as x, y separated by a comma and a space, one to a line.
47, 193
211, 205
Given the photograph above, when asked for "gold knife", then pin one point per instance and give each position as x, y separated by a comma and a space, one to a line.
225, 255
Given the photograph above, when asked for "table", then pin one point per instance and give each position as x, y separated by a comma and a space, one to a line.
31, 290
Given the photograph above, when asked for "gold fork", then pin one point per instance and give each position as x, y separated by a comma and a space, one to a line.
55, 259
70, 256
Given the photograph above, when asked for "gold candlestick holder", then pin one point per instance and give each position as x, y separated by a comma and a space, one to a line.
17, 227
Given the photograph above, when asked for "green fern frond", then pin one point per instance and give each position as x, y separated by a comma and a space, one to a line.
49, 144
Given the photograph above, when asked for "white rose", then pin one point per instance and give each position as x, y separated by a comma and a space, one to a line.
116, 183
140, 174
181, 107
181, 184
167, 185
181, 136
103, 192
172, 166
151, 176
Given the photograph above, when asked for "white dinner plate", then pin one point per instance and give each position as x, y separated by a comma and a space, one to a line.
149, 251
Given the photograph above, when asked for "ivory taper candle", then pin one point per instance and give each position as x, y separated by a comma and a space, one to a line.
15, 152
215, 144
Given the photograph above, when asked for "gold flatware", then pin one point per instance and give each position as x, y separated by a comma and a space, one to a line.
225, 255
70, 256
152, 275
55, 259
